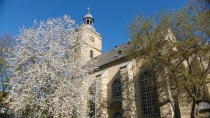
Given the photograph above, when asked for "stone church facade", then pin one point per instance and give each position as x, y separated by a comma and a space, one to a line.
121, 92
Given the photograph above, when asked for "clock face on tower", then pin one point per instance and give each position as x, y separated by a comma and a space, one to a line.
92, 38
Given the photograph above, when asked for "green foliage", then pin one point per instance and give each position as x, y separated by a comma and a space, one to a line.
177, 47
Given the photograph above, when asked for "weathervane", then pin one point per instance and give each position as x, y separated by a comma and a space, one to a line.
88, 10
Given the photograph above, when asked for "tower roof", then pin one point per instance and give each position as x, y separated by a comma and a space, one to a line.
88, 15
88, 20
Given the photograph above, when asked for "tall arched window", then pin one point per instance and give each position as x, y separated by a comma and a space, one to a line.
92, 102
117, 115
116, 88
148, 96
91, 53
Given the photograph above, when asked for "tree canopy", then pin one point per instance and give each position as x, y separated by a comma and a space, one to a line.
48, 78
176, 47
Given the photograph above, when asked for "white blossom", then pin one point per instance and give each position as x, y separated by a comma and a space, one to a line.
48, 77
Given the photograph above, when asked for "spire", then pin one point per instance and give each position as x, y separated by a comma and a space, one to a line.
88, 19
88, 10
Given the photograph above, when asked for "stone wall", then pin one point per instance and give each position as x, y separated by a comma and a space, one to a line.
101, 95
128, 93
165, 99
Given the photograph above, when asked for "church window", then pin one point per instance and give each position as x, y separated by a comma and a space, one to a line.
92, 109
149, 104
92, 102
91, 53
93, 88
204, 105
117, 115
87, 21
117, 89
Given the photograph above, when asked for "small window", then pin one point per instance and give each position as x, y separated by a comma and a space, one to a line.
117, 115
87, 21
116, 88
91, 54
120, 52
92, 38
204, 105
92, 109
93, 88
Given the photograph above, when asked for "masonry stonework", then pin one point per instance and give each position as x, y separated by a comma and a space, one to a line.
102, 95
128, 93
113, 66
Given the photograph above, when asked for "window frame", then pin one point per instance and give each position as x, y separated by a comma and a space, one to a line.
204, 106
148, 95
115, 91
91, 53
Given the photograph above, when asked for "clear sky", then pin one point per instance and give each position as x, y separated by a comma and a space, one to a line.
111, 16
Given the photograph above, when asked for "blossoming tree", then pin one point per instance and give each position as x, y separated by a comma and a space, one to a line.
49, 78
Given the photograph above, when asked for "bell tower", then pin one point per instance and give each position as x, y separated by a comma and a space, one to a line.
88, 19
92, 39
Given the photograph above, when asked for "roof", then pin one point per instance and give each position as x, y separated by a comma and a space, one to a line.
117, 53
88, 15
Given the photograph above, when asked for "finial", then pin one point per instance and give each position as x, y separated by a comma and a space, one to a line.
88, 10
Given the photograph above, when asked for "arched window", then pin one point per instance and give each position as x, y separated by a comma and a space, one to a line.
92, 102
116, 88
148, 96
93, 88
91, 53
117, 115
87, 21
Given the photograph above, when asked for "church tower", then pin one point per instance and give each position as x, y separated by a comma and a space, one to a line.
92, 39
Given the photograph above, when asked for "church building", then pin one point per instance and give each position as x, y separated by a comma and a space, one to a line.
121, 89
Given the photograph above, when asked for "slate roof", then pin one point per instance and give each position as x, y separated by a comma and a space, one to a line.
117, 53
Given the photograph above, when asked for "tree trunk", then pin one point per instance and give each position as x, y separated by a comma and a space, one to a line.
195, 110
175, 111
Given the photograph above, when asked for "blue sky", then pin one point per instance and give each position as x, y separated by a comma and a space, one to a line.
111, 16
